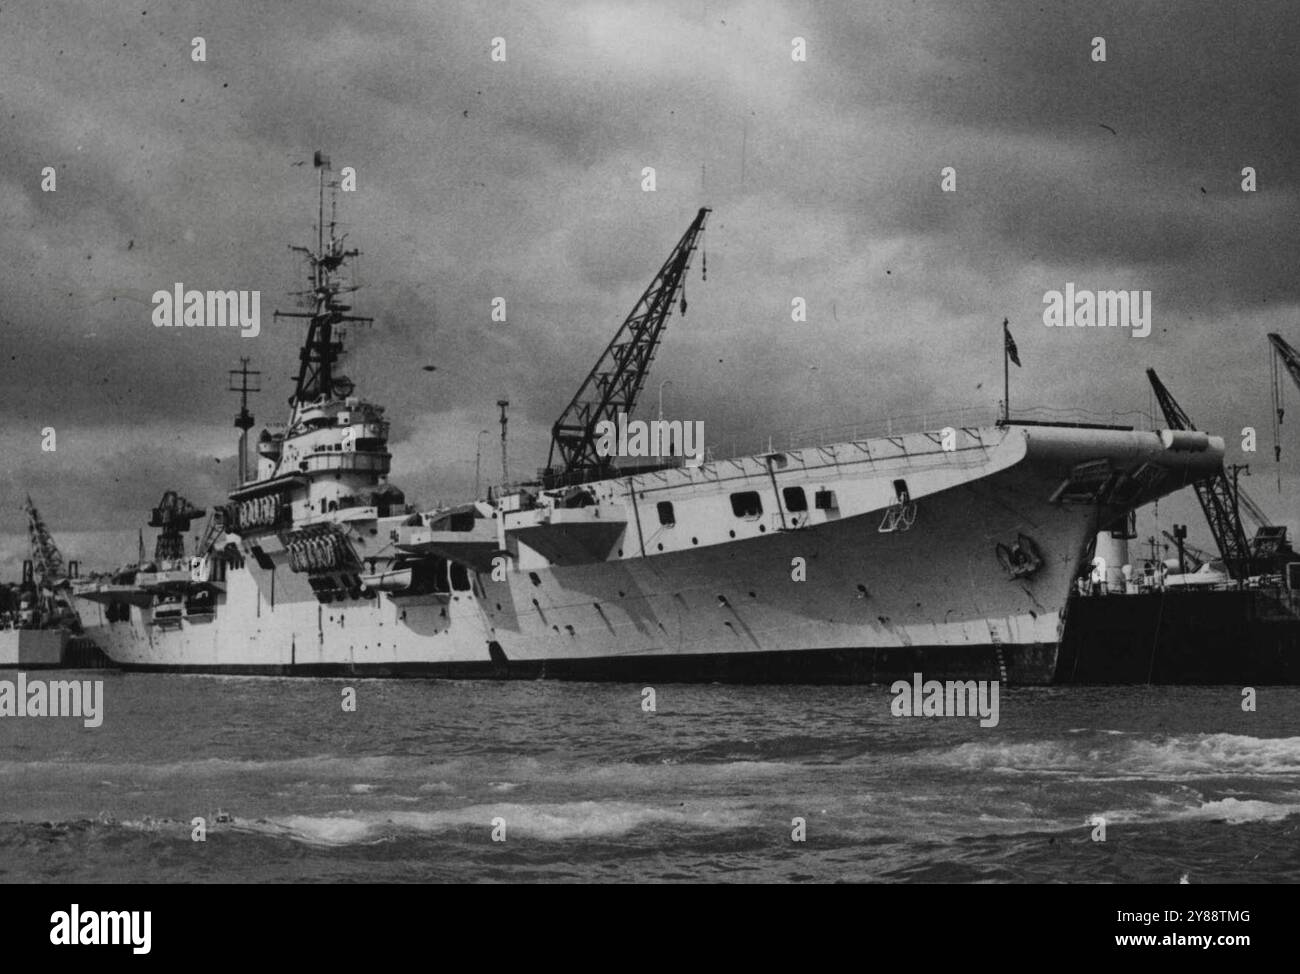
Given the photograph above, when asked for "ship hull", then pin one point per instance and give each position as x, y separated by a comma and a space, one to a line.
712, 596
32, 649
1248, 637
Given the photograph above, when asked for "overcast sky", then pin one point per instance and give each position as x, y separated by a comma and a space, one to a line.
522, 179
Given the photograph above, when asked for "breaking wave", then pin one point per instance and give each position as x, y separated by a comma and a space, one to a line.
1233, 811
1175, 757
553, 822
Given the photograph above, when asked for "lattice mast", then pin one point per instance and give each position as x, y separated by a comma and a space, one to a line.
317, 379
615, 382
1218, 500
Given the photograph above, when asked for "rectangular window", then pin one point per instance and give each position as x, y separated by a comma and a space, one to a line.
459, 577
796, 501
666, 517
825, 500
747, 504
900, 489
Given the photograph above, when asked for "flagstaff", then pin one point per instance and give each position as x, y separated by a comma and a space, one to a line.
1009, 354
1006, 374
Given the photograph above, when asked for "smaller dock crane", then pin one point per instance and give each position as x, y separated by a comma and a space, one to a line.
173, 517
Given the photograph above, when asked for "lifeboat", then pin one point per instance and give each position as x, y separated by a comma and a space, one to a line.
394, 580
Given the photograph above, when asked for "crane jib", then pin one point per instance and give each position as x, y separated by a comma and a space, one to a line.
1218, 496
615, 382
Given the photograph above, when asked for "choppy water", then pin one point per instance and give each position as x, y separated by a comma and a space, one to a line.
591, 787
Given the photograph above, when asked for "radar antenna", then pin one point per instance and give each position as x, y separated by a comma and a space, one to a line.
323, 347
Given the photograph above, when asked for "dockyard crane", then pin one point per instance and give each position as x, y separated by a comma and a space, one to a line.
46, 578
1218, 499
1286, 357
615, 382
47, 560
172, 516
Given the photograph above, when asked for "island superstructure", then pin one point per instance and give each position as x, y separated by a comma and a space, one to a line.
951, 552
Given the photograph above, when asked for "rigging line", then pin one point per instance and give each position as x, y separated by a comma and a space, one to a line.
1155, 638
1277, 390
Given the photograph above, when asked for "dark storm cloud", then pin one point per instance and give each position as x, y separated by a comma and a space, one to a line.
521, 180
1008, 94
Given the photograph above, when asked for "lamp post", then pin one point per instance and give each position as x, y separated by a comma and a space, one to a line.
478, 456
666, 382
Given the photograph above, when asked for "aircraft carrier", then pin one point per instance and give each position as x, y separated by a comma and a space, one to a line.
951, 552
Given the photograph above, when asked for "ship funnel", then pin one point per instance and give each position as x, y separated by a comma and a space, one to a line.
1112, 549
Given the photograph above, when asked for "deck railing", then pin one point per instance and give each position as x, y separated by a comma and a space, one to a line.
931, 420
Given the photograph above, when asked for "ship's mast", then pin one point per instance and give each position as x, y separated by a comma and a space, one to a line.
244, 420
323, 347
